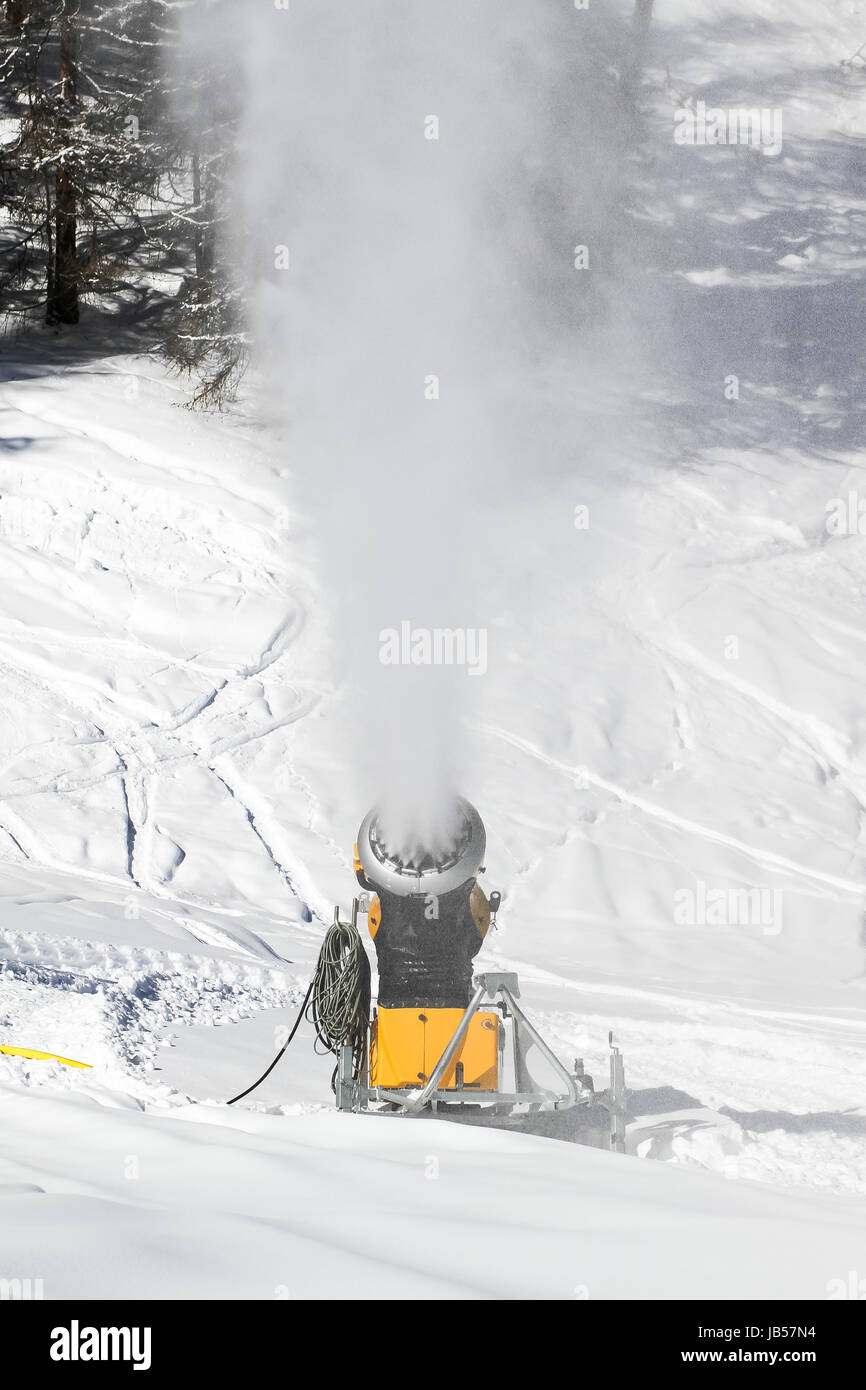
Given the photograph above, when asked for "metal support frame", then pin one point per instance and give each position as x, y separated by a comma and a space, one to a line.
432, 1083
501, 991
348, 1090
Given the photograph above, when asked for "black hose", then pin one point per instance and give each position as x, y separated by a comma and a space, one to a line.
282, 1049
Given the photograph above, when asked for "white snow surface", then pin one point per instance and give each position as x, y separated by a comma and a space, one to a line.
674, 699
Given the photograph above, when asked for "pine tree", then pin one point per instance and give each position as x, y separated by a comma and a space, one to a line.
86, 145
114, 163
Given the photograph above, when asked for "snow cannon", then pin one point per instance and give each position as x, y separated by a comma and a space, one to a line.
427, 917
443, 1040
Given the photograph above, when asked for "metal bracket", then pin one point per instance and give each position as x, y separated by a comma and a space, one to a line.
349, 1090
494, 981
614, 1098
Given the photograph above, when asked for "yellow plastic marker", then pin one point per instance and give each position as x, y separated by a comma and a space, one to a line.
42, 1056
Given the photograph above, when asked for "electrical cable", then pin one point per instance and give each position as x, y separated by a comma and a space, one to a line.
337, 1001
281, 1051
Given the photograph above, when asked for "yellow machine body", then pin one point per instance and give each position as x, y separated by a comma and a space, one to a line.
406, 1044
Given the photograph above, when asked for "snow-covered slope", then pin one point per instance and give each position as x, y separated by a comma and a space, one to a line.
193, 1203
673, 709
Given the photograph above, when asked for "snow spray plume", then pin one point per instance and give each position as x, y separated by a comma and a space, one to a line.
406, 181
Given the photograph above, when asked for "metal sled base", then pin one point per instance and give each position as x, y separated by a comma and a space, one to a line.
573, 1111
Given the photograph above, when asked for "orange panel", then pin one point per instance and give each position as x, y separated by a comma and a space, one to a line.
406, 1044
374, 917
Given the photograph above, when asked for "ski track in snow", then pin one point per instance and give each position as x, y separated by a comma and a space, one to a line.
128, 739
133, 997
582, 774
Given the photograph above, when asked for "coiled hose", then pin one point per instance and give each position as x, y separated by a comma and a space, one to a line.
340, 1005
337, 1001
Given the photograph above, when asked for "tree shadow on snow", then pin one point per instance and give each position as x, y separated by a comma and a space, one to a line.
794, 334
